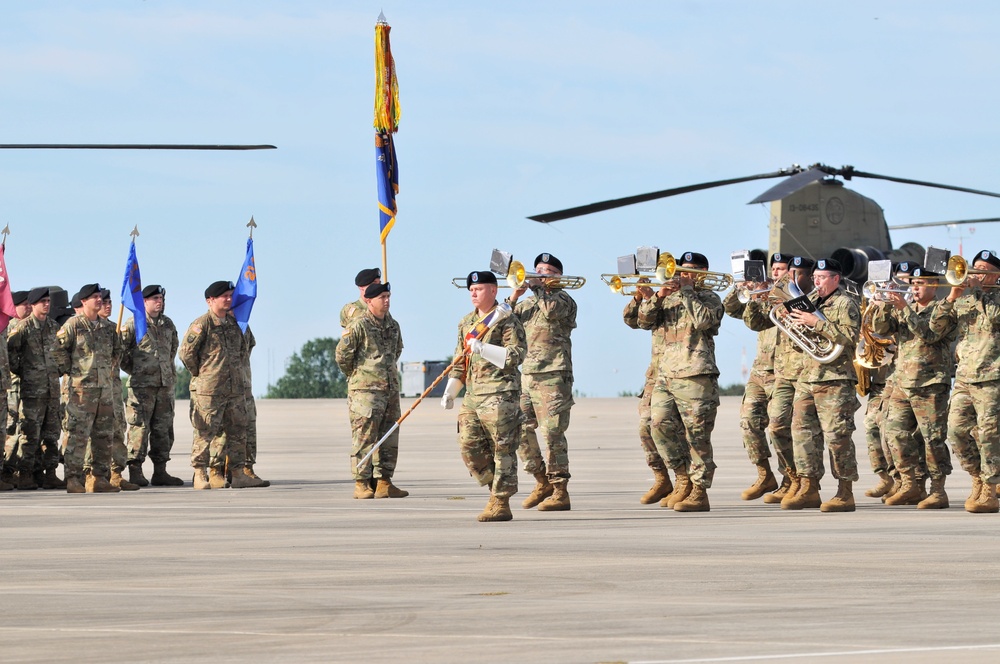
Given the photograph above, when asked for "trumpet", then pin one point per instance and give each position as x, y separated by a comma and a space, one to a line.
667, 267
873, 290
744, 293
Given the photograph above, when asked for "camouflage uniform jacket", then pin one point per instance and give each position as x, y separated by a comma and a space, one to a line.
842, 326
766, 338
549, 317
482, 377
213, 350
88, 352
924, 336
351, 312
249, 343
978, 318
5, 381
31, 346
690, 320
151, 362
631, 317
787, 357
368, 352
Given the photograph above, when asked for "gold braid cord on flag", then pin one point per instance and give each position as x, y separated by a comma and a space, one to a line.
386, 88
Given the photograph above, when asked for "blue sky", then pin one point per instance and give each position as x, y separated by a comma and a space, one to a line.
508, 110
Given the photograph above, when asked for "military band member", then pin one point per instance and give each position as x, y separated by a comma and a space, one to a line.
213, 350
825, 393
153, 374
972, 419
13, 422
355, 310
549, 318
87, 351
921, 380
31, 346
367, 353
878, 456
119, 452
489, 422
686, 396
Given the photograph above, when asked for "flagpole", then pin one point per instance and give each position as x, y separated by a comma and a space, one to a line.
121, 306
385, 269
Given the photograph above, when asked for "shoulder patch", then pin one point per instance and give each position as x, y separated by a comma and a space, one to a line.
196, 329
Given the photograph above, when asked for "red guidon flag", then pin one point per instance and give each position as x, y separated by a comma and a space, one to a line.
7, 311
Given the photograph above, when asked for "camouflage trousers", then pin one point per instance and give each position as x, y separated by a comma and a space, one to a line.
779, 415
38, 447
878, 453
683, 417
90, 423
212, 416
372, 415
150, 417
251, 430
923, 409
653, 458
489, 430
974, 428
119, 451
831, 406
12, 439
546, 400
753, 415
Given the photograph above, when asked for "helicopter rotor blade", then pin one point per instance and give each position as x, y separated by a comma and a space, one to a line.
876, 176
791, 185
568, 213
128, 146
928, 224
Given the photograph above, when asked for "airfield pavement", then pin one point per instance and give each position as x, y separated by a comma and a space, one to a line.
301, 572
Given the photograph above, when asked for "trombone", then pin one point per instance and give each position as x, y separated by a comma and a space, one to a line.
667, 267
958, 272
517, 276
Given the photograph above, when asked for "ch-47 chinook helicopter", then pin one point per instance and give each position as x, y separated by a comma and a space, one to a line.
812, 213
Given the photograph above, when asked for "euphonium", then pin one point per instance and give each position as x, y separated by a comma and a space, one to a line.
873, 350
812, 343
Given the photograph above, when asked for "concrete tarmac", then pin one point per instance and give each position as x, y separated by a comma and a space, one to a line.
302, 572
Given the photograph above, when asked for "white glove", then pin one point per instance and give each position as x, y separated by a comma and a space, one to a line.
476, 346
451, 391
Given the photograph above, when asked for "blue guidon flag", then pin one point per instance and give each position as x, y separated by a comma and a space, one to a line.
132, 294
246, 290
387, 173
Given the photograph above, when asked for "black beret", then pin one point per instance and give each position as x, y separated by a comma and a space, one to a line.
829, 265
36, 294
694, 258
155, 289
908, 267
923, 272
365, 277
780, 258
757, 255
374, 290
88, 290
19, 297
219, 288
75, 302
549, 259
802, 263
988, 256
481, 277
105, 293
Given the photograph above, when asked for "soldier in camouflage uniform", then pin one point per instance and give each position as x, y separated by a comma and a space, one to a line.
88, 350
489, 423
250, 342
152, 376
549, 318
119, 452
13, 422
976, 307
354, 310
826, 394
31, 346
686, 397
880, 461
213, 351
924, 333
368, 353
760, 386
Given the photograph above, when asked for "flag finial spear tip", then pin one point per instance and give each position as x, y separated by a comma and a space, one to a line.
251, 223
6, 230
135, 232
381, 18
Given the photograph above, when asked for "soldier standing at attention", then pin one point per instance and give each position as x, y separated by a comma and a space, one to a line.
548, 317
489, 423
13, 421
150, 411
119, 452
367, 354
975, 399
88, 350
212, 351
354, 310
31, 346
250, 342
686, 397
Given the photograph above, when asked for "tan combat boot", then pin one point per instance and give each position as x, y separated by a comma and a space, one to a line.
240, 480
908, 493
99, 484
200, 480
661, 487
497, 509
52, 481
135, 475
897, 484
937, 499
788, 482
161, 477
217, 478
883, 487
843, 501
248, 470
541, 491
977, 487
122, 483
386, 489
696, 500
806, 498
363, 490
987, 502
765, 483
558, 501
681, 489
75, 485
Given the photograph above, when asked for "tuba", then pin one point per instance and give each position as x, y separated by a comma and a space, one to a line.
812, 344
